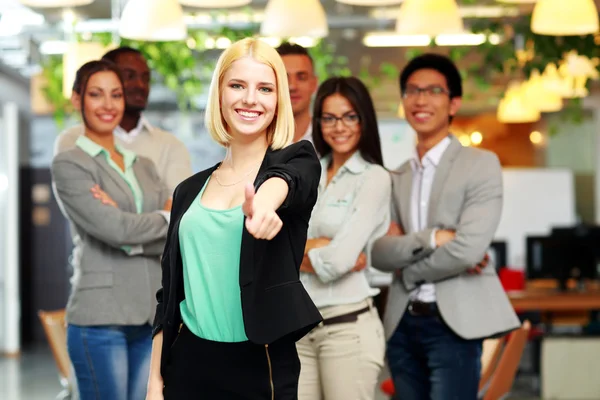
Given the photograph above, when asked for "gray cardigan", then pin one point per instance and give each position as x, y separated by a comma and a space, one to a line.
109, 286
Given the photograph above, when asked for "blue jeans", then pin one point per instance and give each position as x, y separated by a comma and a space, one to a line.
429, 361
110, 362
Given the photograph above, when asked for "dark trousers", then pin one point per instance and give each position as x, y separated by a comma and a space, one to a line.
200, 369
429, 361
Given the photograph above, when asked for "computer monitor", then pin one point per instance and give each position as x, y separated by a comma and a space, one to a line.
561, 257
498, 253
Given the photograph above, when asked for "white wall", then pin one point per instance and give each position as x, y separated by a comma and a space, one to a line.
535, 200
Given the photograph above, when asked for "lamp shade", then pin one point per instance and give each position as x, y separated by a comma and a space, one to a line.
514, 109
516, 1
214, 3
564, 18
153, 21
370, 3
55, 3
76, 55
284, 18
536, 93
429, 17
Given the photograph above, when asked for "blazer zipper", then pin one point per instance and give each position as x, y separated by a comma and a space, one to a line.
270, 372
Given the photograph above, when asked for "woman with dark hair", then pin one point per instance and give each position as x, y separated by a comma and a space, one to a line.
120, 237
343, 356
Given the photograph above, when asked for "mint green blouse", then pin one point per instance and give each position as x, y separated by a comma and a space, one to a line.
93, 149
210, 243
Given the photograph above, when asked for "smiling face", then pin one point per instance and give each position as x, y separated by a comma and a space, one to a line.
302, 81
340, 125
248, 97
136, 77
103, 102
427, 103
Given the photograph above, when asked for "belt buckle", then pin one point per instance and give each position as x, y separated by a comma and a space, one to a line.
411, 309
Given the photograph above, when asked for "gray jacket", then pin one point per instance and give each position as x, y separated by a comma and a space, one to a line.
109, 286
466, 196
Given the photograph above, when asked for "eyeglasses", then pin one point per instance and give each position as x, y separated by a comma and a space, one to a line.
329, 121
429, 91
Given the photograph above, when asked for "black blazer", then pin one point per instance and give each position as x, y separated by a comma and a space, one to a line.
274, 301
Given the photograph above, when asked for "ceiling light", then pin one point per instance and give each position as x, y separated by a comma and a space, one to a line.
382, 39
460, 39
392, 39
153, 20
464, 140
370, 3
514, 109
561, 82
536, 137
285, 18
53, 47
476, 138
472, 11
564, 18
429, 17
9, 25
214, 3
55, 3
535, 92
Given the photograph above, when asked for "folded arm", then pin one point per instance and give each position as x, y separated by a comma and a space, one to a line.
474, 233
108, 224
369, 211
391, 252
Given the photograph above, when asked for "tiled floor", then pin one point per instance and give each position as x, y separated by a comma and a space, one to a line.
33, 376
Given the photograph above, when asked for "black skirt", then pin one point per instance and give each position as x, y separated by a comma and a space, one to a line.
200, 369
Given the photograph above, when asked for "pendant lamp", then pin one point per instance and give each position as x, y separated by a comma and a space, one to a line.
564, 18
370, 3
214, 3
429, 17
55, 3
513, 108
535, 92
284, 18
153, 21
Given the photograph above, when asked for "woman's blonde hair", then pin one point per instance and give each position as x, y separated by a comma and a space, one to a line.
281, 130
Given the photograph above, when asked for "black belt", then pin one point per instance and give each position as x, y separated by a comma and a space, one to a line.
419, 308
345, 318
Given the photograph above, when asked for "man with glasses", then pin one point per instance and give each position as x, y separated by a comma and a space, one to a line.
135, 133
303, 84
447, 202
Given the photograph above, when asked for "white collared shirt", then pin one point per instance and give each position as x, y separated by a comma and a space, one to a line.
129, 137
308, 134
353, 211
423, 174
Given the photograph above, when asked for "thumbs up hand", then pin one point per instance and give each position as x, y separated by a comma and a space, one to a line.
262, 221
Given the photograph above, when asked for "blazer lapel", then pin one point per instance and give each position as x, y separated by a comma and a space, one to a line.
248, 242
404, 193
119, 181
441, 177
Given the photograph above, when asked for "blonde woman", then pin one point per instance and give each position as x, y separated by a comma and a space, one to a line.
232, 305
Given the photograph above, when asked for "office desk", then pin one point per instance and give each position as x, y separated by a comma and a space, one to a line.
549, 300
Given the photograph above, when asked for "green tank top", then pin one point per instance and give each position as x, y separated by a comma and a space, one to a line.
210, 243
